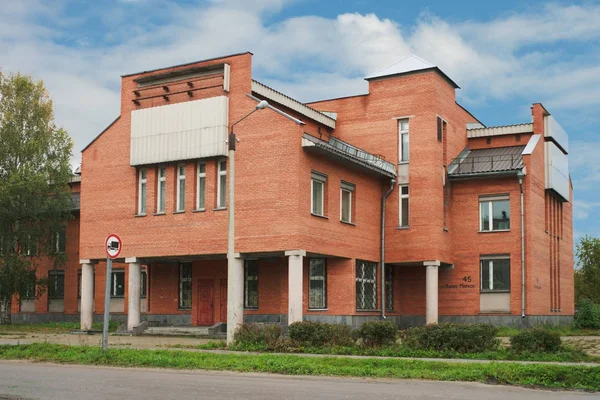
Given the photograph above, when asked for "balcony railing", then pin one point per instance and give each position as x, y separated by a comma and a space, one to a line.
483, 164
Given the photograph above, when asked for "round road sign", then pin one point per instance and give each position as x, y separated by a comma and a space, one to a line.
113, 246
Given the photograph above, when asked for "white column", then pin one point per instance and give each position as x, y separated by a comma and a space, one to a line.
295, 285
87, 295
235, 295
431, 291
133, 294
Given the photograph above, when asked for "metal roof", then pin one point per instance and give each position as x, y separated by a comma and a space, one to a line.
278, 97
499, 130
486, 161
350, 153
409, 65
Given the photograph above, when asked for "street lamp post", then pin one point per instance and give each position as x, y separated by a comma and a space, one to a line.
235, 266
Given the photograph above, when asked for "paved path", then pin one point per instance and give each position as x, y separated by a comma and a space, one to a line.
25, 381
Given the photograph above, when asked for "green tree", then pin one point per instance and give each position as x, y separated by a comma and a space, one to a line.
587, 277
35, 199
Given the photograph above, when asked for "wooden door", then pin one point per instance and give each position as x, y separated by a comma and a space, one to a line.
223, 289
205, 302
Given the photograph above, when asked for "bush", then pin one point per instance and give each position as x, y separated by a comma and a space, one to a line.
587, 315
536, 340
317, 334
452, 337
378, 333
258, 335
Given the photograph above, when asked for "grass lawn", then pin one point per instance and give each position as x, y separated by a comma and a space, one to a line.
562, 330
51, 327
543, 376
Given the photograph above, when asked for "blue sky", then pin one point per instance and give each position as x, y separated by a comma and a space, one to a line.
505, 55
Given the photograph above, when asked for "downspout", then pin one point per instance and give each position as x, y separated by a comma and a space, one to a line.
520, 175
385, 196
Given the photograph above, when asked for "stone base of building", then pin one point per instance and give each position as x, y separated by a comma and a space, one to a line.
155, 319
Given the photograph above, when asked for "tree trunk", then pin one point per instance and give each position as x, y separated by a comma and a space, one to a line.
5, 317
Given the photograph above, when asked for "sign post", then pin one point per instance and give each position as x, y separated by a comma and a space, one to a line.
113, 247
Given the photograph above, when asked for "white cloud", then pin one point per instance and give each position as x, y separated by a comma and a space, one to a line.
310, 57
582, 209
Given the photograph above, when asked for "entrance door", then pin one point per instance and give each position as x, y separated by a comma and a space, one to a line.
205, 302
223, 314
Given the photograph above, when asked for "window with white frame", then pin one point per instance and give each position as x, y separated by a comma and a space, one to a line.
117, 288
403, 140
366, 285
161, 192
346, 194
317, 192
251, 284
404, 208
317, 284
142, 190
222, 184
56, 284
201, 187
185, 286
494, 213
495, 273
180, 187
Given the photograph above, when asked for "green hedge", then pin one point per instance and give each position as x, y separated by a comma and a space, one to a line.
378, 333
267, 335
536, 339
452, 337
587, 315
318, 334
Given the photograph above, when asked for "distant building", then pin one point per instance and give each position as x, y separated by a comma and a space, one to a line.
464, 203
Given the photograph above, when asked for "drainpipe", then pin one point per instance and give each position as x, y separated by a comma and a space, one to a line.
385, 196
520, 175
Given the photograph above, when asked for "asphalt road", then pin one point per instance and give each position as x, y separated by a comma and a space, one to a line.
25, 381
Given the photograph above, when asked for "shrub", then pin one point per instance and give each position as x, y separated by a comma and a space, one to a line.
587, 315
318, 334
378, 333
536, 340
452, 337
258, 335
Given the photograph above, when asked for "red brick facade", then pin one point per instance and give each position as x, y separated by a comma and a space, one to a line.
273, 207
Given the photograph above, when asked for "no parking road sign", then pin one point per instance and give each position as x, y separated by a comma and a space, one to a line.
113, 246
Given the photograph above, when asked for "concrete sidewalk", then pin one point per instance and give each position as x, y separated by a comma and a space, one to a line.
187, 344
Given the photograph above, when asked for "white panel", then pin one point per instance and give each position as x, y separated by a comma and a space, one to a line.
183, 131
494, 302
556, 132
557, 170
226, 77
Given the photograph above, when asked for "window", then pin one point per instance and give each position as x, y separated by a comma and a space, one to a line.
60, 239
161, 192
117, 287
30, 248
317, 283
222, 184
317, 190
201, 186
441, 129
404, 209
142, 190
404, 146
181, 187
495, 274
494, 213
29, 293
143, 283
389, 288
56, 285
251, 284
346, 202
366, 285
185, 286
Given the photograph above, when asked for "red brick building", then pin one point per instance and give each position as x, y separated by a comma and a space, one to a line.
472, 223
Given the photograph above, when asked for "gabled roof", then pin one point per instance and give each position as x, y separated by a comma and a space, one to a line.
100, 134
409, 65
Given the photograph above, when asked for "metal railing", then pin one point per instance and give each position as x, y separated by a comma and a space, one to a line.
470, 164
372, 159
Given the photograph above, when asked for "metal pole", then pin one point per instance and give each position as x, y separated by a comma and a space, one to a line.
106, 304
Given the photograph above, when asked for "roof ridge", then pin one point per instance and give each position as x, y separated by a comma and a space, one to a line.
404, 59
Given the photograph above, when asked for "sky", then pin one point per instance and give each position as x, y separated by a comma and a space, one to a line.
505, 55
